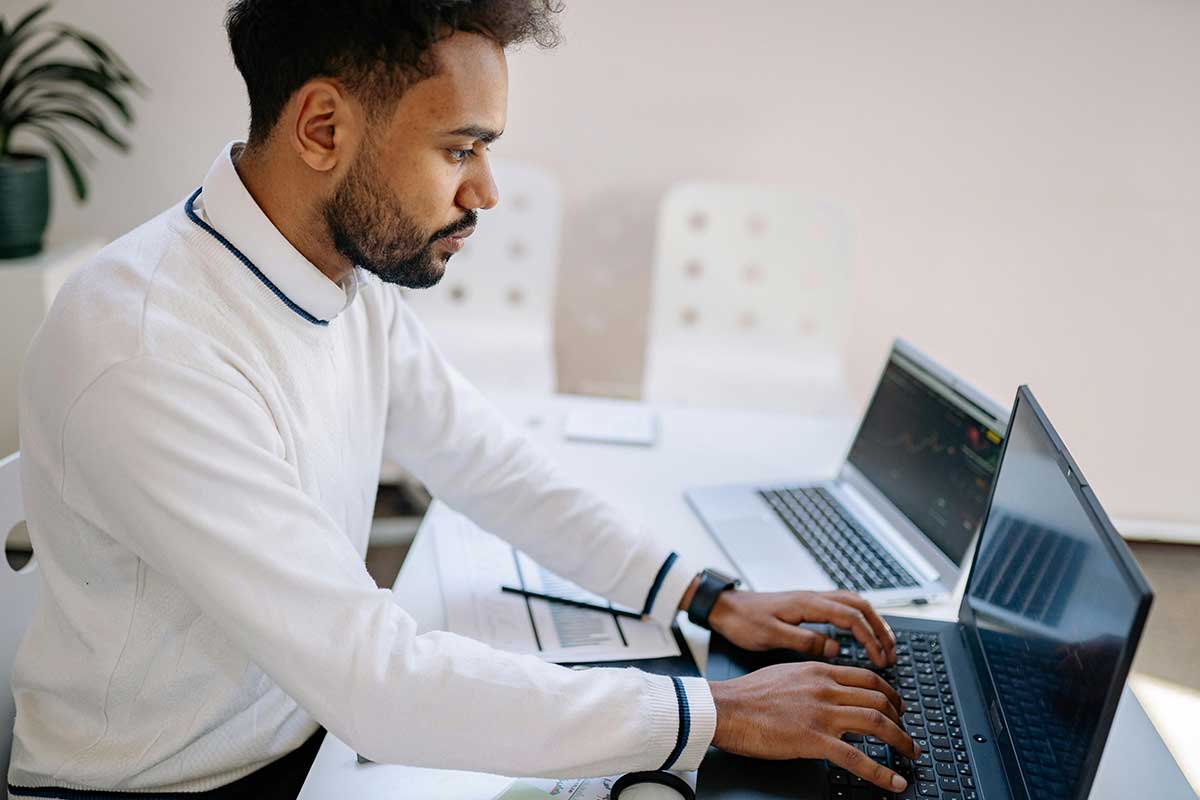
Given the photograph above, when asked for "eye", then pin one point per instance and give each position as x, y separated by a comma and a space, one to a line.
460, 155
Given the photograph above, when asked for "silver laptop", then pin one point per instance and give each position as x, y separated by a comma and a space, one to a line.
898, 522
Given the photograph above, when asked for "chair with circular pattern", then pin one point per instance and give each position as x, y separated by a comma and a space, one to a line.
749, 304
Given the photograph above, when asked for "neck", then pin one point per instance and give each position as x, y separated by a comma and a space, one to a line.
290, 202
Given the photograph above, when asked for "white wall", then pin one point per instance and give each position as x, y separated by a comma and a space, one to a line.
1024, 180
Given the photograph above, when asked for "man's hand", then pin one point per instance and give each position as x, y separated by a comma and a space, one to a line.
767, 620
801, 710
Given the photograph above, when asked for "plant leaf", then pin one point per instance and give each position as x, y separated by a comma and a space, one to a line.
69, 73
58, 142
93, 122
27, 20
104, 55
13, 42
29, 57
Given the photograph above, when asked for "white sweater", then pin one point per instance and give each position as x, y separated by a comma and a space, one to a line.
203, 416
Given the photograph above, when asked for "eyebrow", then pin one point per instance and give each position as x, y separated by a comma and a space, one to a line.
485, 135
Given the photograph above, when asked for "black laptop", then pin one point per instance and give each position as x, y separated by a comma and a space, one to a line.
1015, 698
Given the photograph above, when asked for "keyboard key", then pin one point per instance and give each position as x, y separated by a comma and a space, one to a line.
928, 790
949, 784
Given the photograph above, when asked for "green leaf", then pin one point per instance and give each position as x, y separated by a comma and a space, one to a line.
34, 97
56, 141
49, 44
24, 29
104, 55
93, 122
27, 20
69, 73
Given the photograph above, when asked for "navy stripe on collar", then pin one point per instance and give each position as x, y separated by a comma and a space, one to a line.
190, 210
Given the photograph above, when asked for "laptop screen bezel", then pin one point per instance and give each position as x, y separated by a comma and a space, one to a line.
1126, 566
928, 369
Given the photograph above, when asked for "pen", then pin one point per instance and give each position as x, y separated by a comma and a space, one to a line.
568, 602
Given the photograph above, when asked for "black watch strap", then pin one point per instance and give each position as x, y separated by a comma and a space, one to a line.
712, 583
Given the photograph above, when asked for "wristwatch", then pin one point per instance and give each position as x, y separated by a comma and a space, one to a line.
712, 583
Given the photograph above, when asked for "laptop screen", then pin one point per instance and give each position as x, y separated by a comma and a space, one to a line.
930, 451
1054, 600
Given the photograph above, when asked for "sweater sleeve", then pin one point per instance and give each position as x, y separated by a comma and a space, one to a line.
469, 456
189, 472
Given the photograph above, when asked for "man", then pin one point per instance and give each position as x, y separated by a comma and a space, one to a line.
203, 416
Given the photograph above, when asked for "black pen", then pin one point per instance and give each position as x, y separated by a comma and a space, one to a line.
568, 602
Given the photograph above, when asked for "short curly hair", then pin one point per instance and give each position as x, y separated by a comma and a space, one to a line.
376, 48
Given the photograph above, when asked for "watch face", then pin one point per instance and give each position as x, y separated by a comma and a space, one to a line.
722, 577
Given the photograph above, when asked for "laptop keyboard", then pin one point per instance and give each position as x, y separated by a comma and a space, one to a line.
853, 558
931, 718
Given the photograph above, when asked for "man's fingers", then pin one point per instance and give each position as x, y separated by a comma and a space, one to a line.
853, 760
853, 620
803, 640
865, 679
882, 630
868, 698
854, 719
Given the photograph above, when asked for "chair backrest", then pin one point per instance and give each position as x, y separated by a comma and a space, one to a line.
761, 268
506, 271
18, 593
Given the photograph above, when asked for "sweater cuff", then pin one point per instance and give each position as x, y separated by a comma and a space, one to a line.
670, 584
683, 720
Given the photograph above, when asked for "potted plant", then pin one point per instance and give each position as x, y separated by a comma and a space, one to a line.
43, 95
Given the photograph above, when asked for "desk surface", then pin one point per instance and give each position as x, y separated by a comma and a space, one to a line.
695, 447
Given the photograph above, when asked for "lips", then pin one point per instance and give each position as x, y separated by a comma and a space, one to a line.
455, 241
461, 234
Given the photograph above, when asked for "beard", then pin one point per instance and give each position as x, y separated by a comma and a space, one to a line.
368, 228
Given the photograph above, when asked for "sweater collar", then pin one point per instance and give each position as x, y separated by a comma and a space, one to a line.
228, 207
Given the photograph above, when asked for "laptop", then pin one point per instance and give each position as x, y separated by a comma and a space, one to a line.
897, 522
1014, 699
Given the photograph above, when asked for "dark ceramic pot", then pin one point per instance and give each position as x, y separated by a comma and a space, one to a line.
24, 204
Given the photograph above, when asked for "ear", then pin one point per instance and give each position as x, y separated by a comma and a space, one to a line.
323, 124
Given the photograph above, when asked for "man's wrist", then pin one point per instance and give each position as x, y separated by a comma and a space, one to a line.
721, 702
709, 587
689, 594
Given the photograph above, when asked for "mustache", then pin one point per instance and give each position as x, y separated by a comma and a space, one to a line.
468, 221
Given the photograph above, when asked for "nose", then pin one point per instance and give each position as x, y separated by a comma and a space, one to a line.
479, 190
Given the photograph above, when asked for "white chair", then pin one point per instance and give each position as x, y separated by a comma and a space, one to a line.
492, 313
18, 593
749, 301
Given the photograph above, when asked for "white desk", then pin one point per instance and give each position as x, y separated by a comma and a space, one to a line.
695, 447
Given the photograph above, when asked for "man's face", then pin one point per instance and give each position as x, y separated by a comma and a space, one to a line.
418, 179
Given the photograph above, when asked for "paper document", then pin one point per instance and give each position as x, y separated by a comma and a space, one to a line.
473, 564
584, 788
551, 789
